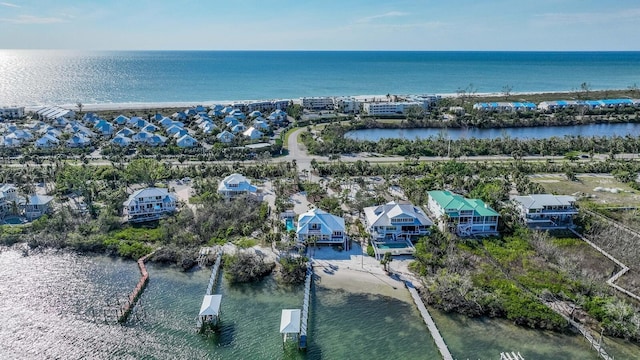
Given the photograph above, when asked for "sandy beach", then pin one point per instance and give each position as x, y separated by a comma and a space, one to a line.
354, 271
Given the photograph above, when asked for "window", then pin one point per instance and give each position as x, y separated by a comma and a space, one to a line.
314, 226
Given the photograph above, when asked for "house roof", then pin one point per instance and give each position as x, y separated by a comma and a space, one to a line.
150, 192
38, 199
329, 222
186, 140
290, 321
252, 133
449, 200
539, 201
243, 183
210, 305
382, 215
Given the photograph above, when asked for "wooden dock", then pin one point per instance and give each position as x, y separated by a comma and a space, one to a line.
135, 294
431, 325
302, 343
511, 356
213, 279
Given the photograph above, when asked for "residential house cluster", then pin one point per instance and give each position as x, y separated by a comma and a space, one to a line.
556, 105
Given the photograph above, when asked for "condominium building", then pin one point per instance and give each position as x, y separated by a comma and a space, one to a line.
12, 112
317, 103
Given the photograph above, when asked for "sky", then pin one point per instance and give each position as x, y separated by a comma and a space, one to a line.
320, 24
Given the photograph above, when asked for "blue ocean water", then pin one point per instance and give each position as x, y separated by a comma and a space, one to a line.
39, 77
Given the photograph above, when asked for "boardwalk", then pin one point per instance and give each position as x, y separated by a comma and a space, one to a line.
431, 325
305, 307
135, 294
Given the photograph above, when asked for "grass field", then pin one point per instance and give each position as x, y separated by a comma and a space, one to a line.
584, 188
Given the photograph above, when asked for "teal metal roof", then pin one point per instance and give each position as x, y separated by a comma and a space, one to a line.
449, 200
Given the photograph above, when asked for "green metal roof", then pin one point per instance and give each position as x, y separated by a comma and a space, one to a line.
449, 200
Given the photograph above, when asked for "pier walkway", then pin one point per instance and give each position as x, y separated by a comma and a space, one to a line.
431, 325
213, 279
305, 307
135, 294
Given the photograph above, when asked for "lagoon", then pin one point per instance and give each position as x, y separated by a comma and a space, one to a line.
46, 300
540, 132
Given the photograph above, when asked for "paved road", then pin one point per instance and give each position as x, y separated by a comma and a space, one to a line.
303, 159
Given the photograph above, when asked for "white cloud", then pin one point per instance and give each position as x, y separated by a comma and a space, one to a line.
390, 14
9, 5
29, 19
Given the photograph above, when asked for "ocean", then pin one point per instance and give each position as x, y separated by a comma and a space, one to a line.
52, 77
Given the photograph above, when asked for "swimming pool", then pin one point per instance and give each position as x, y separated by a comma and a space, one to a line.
385, 246
14, 220
290, 225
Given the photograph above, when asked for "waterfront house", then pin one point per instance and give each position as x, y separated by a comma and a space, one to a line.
465, 217
319, 227
546, 211
225, 137
9, 200
396, 221
47, 141
37, 205
149, 204
236, 185
253, 133
186, 141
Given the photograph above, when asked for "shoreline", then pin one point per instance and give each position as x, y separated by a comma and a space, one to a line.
141, 105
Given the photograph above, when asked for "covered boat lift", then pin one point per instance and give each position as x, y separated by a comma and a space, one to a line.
210, 310
290, 324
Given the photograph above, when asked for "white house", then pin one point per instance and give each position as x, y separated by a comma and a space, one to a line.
149, 204
225, 137
546, 211
466, 217
396, 221
253, 133
236, 185
186, 141
37, 205
9, 201
319, 227
207, 127
53, 112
